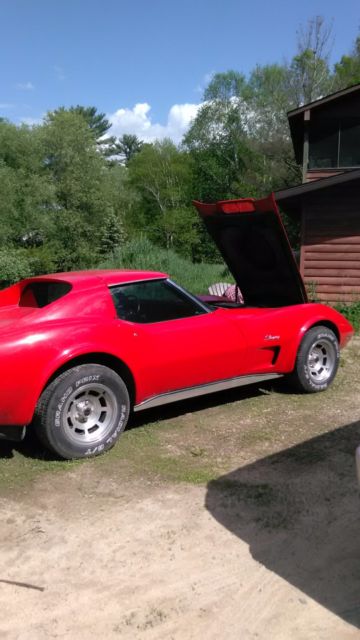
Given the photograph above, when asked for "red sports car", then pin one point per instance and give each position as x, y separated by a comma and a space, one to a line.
79, 351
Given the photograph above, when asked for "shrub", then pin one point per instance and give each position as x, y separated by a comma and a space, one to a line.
142, 254
351, 312
14, 265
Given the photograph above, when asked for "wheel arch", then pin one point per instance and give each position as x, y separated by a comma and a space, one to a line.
325, 323
105, 359
320, 322
300, 376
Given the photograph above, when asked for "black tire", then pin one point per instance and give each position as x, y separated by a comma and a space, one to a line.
317, 361
82, 412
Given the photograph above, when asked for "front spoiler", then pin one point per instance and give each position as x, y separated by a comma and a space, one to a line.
14, 433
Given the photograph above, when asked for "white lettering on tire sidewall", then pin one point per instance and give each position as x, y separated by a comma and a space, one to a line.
112, 437
86, 380
60, 405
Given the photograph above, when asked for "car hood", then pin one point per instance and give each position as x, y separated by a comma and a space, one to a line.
253, 242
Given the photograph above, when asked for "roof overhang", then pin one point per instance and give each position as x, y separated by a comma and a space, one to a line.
323, 106
321, 101
290, 200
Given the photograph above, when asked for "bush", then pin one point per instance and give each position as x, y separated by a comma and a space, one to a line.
142, 254
14, 265
351, 313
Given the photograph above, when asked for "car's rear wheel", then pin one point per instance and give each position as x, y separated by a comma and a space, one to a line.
83, 411
317, 360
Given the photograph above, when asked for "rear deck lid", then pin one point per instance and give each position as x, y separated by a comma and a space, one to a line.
253, 242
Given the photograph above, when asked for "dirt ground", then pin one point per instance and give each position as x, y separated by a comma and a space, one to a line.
234, 516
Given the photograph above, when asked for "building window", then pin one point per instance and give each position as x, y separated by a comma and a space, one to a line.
323, 147
334, 144
350, 145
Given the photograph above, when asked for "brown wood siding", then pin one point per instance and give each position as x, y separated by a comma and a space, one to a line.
330, 253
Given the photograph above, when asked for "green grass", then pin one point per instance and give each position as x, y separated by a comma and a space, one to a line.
25, 463
144, 450
142, 254
141, 452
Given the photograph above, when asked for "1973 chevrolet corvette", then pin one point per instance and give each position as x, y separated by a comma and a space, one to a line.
79, 351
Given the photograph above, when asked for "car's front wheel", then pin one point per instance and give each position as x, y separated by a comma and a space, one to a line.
317, 360
83, 411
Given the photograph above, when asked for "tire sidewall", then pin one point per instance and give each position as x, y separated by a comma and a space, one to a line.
310, 339
63, 387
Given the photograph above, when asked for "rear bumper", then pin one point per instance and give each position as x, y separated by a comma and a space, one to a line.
14, 433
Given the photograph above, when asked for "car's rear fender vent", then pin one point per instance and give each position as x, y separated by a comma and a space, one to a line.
273, 353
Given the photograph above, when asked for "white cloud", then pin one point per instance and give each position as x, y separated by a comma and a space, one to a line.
6, 105
25, 86
138, 121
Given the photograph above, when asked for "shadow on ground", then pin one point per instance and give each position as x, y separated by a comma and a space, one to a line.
30, 447
299, 511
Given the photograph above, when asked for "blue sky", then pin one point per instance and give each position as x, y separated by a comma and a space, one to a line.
145, 63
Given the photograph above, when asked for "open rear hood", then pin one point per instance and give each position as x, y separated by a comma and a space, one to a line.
253, 242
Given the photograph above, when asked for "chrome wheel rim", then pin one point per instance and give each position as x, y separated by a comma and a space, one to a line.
89, 414
321, 360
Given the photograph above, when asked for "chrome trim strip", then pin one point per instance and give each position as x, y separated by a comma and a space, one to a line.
201, 390
119, 284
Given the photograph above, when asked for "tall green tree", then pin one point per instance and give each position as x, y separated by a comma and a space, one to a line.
269, 101
127, 147
21, 161
84, 189
160, 175
218, 147
97, 122
225, 85
347, 71
309, 71
25, 191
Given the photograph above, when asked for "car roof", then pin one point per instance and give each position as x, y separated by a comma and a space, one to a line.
106, 276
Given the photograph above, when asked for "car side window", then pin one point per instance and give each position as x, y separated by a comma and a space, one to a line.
40, 294
153, 301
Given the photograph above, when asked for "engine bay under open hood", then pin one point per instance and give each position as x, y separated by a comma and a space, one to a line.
253, 242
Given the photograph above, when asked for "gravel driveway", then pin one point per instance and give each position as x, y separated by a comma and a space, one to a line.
235, 516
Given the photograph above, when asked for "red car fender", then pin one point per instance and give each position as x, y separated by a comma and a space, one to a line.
318, 315
70, 357
27, 364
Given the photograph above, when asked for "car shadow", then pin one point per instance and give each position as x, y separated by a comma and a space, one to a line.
299, 511
30, 447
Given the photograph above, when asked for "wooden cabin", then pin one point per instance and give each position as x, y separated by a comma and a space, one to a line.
326, 139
